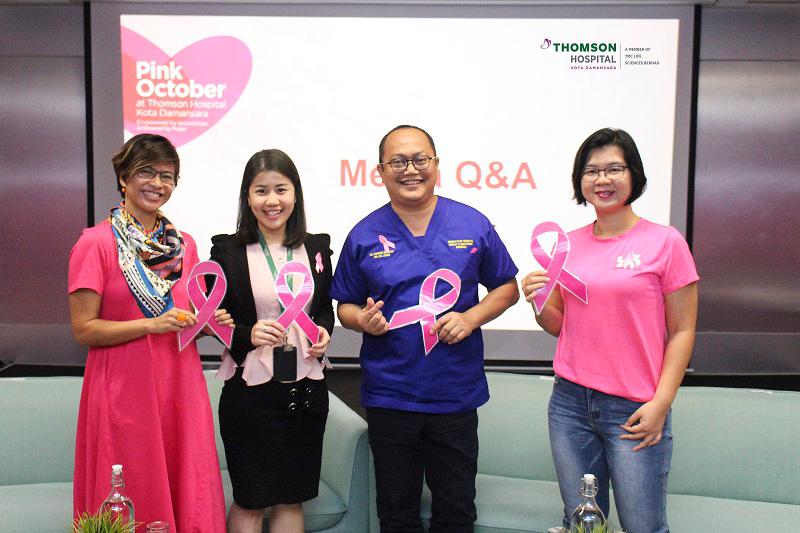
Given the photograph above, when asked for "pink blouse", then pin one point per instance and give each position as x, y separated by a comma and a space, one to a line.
258, 363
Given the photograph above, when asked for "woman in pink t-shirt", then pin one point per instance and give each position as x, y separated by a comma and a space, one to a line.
144, 403
620, 357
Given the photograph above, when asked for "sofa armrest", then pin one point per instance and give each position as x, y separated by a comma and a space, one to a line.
343, 431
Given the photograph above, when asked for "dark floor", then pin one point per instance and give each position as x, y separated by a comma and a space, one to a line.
345, 382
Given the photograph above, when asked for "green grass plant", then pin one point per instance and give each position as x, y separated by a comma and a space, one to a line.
102, 523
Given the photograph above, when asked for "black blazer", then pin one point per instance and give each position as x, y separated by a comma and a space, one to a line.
231, 254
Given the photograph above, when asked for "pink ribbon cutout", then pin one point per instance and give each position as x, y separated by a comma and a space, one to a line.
206, 305
554, 266
318, 258
388, 245
293, 304
429, 306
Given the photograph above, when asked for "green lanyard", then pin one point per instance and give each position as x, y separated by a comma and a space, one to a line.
271, 263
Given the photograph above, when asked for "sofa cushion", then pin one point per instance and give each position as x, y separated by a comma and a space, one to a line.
735, 443
510, 505
693, 514
512, 428
37, 412
39, 507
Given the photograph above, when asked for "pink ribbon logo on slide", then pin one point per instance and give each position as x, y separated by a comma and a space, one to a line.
429, 306
183, 96
293, 304
388, 246
206, 306
555, 266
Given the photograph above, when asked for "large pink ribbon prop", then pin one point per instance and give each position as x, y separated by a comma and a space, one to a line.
293, 304
429, 306
206, 305
554, 265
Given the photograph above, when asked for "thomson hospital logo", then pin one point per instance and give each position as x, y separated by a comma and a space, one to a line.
585, 55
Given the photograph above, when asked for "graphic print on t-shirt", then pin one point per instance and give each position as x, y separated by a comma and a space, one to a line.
631, 261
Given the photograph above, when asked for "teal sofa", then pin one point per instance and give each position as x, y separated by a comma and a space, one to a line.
735, 465
37, 444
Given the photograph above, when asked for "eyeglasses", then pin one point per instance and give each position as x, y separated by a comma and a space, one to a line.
614, 172
167, 178
420, 162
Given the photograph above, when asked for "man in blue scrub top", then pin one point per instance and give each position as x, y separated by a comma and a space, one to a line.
421, 397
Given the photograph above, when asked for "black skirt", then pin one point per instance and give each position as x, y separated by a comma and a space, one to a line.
273, 439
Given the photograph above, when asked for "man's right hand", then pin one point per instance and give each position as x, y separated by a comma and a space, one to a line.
370, 318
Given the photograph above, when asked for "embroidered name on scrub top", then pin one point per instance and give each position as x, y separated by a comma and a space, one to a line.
460, 243
388, 248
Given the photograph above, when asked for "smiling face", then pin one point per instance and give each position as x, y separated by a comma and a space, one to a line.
143, 197
607, 195
271, 199
411, 189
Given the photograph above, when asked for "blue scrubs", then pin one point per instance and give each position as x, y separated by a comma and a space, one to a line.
382, 259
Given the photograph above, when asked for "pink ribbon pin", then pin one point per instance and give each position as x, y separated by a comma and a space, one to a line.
554, 266
293, 304
388, 245
429, 306
319, 267
206, 306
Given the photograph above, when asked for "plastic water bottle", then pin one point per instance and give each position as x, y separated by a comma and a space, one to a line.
587, 515
118, 504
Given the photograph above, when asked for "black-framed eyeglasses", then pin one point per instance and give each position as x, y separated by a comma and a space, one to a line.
167, 178
614, 172
420, 162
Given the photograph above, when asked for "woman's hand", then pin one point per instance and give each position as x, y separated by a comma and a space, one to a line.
646, 424
267, 332
532, 283
318, 349
173, 320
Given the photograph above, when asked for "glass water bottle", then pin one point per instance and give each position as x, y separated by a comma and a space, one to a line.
587, 515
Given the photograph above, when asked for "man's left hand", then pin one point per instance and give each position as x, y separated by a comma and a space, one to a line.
452, 327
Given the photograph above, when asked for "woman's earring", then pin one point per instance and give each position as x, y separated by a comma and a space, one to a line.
123, 190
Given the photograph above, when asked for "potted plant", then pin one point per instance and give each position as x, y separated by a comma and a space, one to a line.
102, 523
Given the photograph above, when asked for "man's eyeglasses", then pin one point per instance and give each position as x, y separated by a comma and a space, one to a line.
167, 178
420, 162
614, 172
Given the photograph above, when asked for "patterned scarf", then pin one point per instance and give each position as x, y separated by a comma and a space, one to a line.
151, 262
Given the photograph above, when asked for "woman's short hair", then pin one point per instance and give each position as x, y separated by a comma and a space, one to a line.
610, 137
145, 149
247, 225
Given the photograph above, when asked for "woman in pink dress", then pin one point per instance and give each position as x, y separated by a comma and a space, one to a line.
144, 403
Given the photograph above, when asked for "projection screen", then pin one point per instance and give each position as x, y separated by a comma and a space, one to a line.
508, 94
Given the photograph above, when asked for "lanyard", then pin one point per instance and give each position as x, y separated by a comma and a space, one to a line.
271, 263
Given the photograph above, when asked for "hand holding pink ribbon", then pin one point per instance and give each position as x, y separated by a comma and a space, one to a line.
555, 266
206, 305
293, 304
429, 306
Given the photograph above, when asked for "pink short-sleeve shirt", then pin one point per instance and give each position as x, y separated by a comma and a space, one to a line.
616, 342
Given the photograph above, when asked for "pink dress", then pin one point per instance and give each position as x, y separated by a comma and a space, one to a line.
144, 405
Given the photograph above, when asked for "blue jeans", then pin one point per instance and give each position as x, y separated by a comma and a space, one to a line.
584, 437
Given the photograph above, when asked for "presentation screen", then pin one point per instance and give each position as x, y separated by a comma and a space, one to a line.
507, 98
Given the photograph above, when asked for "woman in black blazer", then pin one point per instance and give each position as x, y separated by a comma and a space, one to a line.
274, 404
